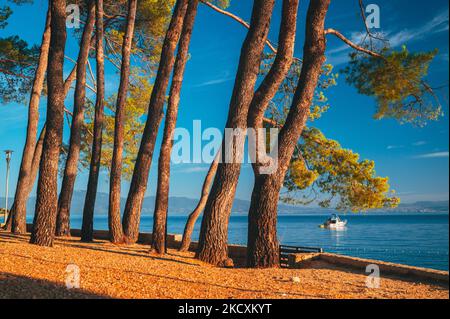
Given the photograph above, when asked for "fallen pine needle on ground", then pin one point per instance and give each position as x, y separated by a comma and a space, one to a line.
109, 271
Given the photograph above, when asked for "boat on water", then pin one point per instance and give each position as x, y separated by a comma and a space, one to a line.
334, 222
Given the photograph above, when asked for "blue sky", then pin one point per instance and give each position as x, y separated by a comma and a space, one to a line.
415, 159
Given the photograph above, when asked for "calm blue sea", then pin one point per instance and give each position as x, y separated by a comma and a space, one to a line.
415, 239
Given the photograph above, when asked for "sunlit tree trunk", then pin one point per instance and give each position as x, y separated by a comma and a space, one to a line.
162, 194
47, 198
262, 234
265, 93
71, 169
115, 225
192, 219
132, 213
19, 207
38, 151
89, 204
213, 242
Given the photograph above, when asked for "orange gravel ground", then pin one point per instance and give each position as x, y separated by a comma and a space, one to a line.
108, 271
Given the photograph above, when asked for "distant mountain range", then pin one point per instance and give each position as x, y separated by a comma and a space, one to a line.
424, 207
184, 205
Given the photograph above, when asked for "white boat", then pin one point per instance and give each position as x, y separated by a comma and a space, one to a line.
334, 222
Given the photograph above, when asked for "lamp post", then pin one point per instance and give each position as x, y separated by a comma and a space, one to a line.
8, 161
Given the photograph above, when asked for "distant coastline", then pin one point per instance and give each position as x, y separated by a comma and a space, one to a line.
181, 206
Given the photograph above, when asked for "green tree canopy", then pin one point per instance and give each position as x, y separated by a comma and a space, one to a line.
5, 13
136, 109
17, 67
321, 170
397, 82
17, 62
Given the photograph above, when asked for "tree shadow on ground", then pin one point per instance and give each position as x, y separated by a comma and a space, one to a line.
20, 287
135, 253
101, 246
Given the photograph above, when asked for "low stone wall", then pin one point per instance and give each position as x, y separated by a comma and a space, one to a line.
360, 265
173, 240
236, 252
302, 260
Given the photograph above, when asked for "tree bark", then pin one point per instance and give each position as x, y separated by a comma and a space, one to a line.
115, 225
259, 105
138, 186
19, 207
38, 152
262, 234
37, 156
87, 229
8, 225
192, 219
280, 67
159, 235
213, 242
71, 169
36, 159
47, 198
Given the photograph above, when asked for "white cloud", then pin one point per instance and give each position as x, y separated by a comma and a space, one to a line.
438, 24
213, 82
222, 78
434, 155
393, 147
419, 143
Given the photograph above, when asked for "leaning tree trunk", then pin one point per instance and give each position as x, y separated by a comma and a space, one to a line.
192, 219
115, 225
87, 229
19, 211
159, 235
47, 197
40, 142
260, 103
138, 186
213, 242
71, 169
38, 152
262, 234
280, 67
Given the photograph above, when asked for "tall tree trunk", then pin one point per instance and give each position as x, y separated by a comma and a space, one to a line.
19, 211
38, 152
115, 225
47, 197
139, 180
71, 169
37, 158
89, 203
262, 234
162, 194
213, 242
259, 105
280, 67
192, 219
